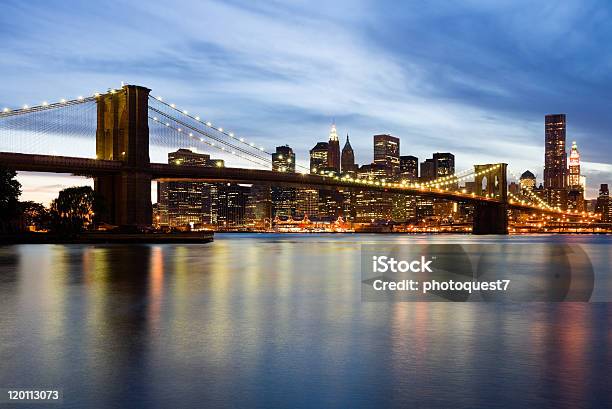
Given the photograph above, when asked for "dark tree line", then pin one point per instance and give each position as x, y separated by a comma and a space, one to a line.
73, 211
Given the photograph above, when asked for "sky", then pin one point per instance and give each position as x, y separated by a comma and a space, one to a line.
471, 77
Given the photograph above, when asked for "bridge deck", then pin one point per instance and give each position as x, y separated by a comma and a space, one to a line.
167, 172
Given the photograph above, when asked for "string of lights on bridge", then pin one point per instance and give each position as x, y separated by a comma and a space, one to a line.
539, 203
45, 105
209, 143
208, 124
459, 177
261, 160
211, 126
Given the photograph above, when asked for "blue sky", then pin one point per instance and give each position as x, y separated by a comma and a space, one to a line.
471, 77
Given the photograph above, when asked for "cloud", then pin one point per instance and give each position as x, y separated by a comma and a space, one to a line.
474, 78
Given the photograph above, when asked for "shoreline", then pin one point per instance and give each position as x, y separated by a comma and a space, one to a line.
107, 238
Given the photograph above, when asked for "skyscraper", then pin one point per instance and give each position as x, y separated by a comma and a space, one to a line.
444, 164
386, 152
318, 157
283, 160
409, 167
428, 170
575, 194
283, 198
574, 167
333, 150
232, 203
603, 203
188, 203
259, 206
348, 157
441, 164
555, 161
307, 203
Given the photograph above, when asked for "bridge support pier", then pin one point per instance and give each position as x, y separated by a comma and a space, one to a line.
123, 135
490, 218
127, 198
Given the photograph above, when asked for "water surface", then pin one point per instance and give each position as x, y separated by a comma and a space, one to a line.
265, 321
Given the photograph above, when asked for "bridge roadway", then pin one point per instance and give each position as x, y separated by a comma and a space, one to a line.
167, 172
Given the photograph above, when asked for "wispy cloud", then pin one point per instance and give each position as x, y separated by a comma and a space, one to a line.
475, 77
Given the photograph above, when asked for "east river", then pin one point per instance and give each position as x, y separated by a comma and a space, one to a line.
278, 321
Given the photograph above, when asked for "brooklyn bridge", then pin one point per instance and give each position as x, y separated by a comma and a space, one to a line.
129, 123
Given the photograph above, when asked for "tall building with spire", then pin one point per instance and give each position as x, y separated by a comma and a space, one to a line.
333, 150
575, 195
348, 157
574, 167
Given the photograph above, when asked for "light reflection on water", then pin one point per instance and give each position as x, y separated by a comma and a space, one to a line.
277, 321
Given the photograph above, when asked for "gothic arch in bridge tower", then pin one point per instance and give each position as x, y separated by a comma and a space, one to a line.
491, 217
491, 178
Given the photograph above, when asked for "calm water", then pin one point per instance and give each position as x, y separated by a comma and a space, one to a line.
265, 321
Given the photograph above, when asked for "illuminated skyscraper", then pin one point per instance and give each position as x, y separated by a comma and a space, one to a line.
188, 203
318, 157
232, 204
409, 167
575, 194
283, 198
444, 164
574, 167
307, 203
603, 203
283, 160
527, 181
259, 206
333, 150
387, 153
555, 161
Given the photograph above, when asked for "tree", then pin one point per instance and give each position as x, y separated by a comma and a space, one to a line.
34, 214
10, 190
74, 210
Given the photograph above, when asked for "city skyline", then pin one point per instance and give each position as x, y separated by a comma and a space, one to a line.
425, 90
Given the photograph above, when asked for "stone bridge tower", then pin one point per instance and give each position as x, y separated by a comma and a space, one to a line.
123, 135
491, 181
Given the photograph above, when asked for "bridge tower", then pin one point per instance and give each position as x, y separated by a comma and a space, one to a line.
123, 135
491, 181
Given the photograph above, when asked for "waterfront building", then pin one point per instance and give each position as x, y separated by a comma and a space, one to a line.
307, 203
194, 204
259, 206
348, 205
404, 208
555, 161
424, 207
232, 203
373, 206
